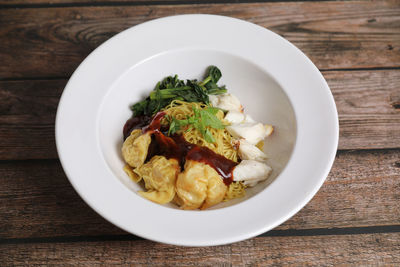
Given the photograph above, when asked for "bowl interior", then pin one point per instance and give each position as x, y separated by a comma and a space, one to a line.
262, 97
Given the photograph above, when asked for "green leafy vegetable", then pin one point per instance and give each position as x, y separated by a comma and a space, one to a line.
140, 108
202, 120
213, 75
171, 82
172, 88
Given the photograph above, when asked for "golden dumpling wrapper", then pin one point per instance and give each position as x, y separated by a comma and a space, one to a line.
129, 170
135, 147
159, 175
216, 189
199, 186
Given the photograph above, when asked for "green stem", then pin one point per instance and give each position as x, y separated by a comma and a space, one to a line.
217, 91
168, 93
206, 80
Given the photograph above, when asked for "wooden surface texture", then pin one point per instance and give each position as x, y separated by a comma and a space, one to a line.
335, 35
337, 250
354, 219
362, 190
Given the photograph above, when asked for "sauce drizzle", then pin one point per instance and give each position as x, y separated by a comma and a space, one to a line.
222, 165
135, 123
176, 147
155, 123
146, 123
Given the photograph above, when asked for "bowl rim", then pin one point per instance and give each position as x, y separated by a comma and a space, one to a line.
317, 130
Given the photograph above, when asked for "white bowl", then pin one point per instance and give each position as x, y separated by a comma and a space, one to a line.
276, 83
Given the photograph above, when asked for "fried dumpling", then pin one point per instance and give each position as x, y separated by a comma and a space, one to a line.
134, 149
159, 175
199, 186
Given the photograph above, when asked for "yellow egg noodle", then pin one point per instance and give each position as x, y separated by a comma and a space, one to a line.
223, 140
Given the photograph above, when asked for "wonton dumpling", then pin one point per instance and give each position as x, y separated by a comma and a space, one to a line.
216, 189
191, 185
134, 177
199, 186
134, 149
159, 175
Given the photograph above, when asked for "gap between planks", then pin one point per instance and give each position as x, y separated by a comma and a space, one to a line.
367, 103
355, 250
271, 233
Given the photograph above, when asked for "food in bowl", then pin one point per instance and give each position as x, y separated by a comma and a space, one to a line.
190, 143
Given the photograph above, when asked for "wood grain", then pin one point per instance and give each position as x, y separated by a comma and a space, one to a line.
23, 3
366, 102
363, 189
358, 250
27, 117
51, 42
353, 220
85, 2
37, 200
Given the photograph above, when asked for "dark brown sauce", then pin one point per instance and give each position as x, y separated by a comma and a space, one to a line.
146, 123
177, 147
155, 123
135, 123
222, 165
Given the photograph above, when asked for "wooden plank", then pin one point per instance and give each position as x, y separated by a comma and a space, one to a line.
27, 117
362, 189
49, 3
84, 2
367, 106
358, 250
51, 42
38, 201
366, 102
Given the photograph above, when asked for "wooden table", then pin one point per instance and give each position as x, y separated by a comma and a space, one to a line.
353, 220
